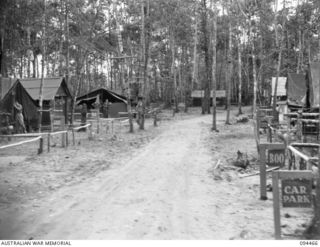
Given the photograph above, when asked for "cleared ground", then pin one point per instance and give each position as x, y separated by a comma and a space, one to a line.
153, 184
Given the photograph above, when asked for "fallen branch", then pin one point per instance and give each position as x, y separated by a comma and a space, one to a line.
217, 165
257, 173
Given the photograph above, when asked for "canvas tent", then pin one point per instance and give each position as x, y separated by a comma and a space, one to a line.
56, 96
118, 102
296, 90
314, 81
17, 93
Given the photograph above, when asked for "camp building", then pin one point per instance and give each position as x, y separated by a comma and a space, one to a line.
56, 101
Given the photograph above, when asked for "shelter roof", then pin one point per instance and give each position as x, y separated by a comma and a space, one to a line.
50, 87
104, 94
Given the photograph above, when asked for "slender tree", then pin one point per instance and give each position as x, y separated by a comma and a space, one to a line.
214, 65
42, 65
280, 47
229, 64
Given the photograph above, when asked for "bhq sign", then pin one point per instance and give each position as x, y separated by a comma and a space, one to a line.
200, 93
296, 193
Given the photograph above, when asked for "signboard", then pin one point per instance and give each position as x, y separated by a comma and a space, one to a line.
296, 193
276, 157
200, 94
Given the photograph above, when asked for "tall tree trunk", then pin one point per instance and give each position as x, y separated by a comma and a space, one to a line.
214, 67
61, 39
28, 51
206, 82
229, 69
2, 34
2, 51
255, 82
68, 56
280, 45
195, 51
120, 53
42, 66
174, 74
239, 77
144, 53
300, 51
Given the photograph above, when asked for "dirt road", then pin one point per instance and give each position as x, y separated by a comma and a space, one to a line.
164, 192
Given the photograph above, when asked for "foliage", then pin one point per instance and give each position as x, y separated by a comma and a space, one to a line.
93, 39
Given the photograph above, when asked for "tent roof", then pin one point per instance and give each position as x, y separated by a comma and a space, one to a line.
104, 94
6, 84
297, 89
20, 95
50, 87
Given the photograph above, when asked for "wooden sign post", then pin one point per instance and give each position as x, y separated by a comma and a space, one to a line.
296, 188
274, 158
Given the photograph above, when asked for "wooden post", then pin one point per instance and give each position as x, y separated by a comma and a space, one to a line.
63, 140
276, 204
52, 116
90, 134
73, 138
98, 121
155, 119
256, 134
49, 142
67, 139
263, 173
269, 134
299, 127
40, 150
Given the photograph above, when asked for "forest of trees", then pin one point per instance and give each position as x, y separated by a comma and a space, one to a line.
160, 49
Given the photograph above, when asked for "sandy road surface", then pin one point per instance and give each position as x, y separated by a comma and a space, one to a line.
164, 192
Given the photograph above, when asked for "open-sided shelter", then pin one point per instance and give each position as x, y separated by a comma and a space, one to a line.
56, 97
281, 89
17, 93
118, 103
